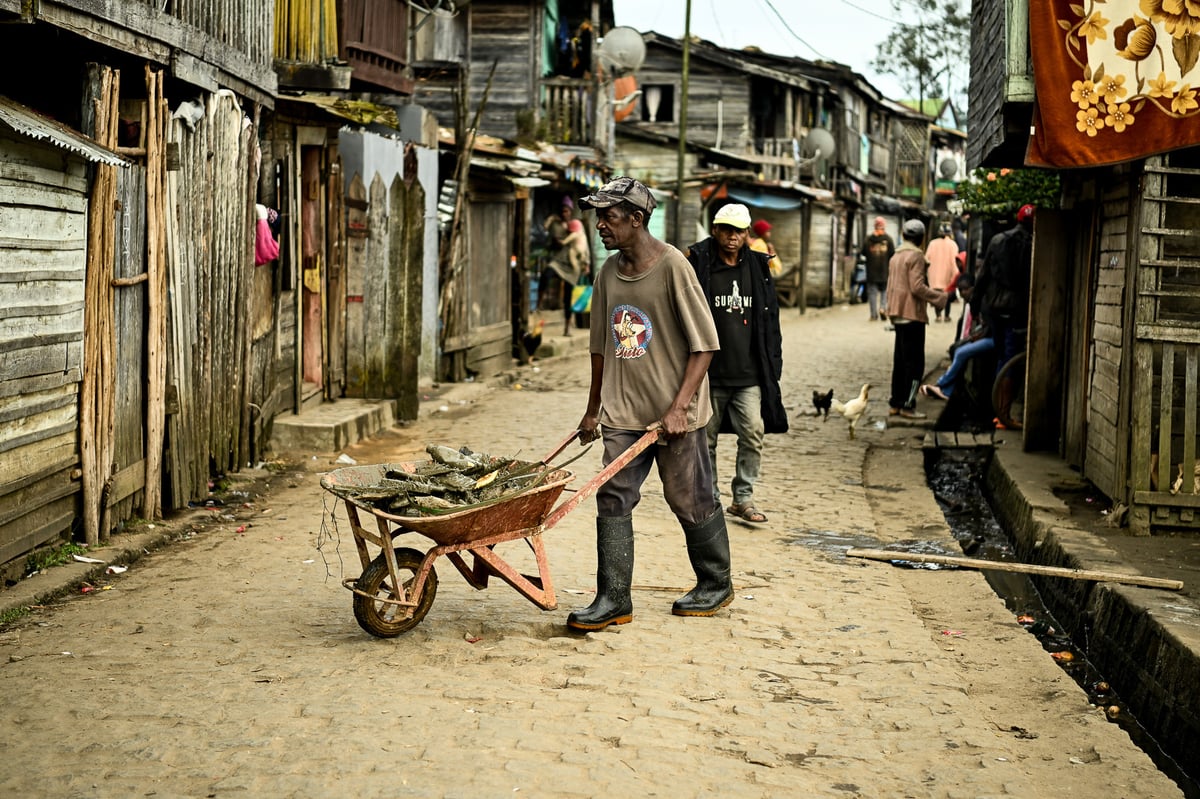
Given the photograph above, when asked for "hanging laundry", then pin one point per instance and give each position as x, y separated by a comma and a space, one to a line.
266, 249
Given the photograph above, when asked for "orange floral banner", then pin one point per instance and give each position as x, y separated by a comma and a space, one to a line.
1115, 80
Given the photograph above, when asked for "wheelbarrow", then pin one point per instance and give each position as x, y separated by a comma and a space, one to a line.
398, 586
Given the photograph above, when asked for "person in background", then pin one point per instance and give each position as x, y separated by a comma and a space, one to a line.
878, 250
572, 265
652, 339
942, 255
550, 289
908, 293
1003, 284
569, 261
959, 225
976, 340
760, 241
744, 375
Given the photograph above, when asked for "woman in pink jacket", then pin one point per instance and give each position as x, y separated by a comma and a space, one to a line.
943, 267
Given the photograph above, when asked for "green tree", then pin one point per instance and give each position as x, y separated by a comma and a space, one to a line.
927, 51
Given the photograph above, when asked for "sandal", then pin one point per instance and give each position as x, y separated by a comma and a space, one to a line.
746, 512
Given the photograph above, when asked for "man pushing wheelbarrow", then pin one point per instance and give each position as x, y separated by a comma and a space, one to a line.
652, 338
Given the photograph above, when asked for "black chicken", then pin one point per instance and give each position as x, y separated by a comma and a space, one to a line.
822, 401
531, 340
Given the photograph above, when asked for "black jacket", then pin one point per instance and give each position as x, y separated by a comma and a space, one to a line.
768, 340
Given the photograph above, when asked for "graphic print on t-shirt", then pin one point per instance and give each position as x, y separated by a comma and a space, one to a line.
632, 331
733, 302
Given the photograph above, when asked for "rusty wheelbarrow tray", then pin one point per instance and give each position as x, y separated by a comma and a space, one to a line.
398, 586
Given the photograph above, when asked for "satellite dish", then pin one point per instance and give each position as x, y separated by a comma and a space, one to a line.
819, 144
623, 49
947, 168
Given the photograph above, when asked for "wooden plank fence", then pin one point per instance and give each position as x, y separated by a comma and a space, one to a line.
1166, 395
210, 254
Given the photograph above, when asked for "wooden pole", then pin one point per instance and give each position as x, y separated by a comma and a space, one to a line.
681, 157
1023, 568
156, 294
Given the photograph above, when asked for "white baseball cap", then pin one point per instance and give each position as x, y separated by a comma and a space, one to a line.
734, 214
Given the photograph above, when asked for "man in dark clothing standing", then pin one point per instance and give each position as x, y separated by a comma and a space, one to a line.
878, 250
1003, 283
908, 293
744, 374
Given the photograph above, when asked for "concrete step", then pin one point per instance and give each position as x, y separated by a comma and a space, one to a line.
331, 426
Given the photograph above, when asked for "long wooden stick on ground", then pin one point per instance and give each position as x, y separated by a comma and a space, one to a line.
1024, 568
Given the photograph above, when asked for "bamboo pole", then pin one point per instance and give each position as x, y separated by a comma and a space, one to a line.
1022, 568
96, 416
156, 293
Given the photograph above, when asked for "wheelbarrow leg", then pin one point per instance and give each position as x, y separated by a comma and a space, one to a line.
538, 590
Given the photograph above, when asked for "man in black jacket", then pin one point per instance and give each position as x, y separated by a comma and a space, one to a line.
744, 375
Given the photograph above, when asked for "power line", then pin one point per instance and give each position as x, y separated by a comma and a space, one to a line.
870, 13
788, 27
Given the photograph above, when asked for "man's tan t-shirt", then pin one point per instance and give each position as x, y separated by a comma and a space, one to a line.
646, 327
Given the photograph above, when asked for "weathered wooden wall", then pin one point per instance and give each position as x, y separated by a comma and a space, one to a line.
130, 326
1105, 451
385, 273
1046, 343
210, 256
214, 43
718, 100
43, 214
985, 113
509, 35
489, 338
818, 255
1165, 400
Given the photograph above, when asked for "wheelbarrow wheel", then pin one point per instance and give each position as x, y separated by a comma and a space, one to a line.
384, 619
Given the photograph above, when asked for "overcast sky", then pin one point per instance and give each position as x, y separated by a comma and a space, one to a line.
846, 31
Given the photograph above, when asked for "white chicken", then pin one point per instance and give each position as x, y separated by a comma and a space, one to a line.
854, 409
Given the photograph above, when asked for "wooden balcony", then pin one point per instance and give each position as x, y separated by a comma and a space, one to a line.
778, 161
326, 44
568, 111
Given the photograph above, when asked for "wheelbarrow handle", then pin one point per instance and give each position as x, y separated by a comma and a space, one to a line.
558, 450
592, 486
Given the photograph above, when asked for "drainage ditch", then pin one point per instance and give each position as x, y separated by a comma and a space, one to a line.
957, 480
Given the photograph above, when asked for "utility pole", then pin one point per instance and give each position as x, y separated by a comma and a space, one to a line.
683, 104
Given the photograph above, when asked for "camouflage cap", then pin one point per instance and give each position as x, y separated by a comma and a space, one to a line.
621, 190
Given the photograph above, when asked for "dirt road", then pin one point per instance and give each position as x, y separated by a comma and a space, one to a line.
230, 664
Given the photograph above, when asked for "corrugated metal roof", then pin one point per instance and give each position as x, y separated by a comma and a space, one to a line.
27, 122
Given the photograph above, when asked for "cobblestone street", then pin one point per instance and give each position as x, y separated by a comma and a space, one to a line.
229, 664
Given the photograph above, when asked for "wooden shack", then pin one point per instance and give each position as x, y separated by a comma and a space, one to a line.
44, 195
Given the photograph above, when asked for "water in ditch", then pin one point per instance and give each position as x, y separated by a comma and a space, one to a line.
957, 480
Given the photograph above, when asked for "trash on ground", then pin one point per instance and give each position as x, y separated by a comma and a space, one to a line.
116, 569
85, 559
346, 460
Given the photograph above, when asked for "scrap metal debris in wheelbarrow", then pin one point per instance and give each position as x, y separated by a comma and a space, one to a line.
454, 480
488, 502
